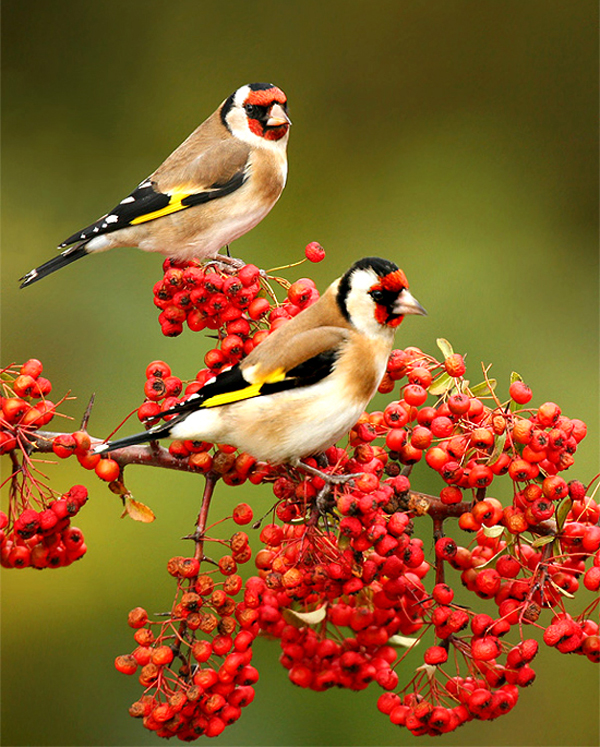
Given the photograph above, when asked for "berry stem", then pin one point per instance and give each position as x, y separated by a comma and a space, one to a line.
88, 411
209, 487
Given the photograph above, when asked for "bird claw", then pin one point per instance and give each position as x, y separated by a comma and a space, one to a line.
228, 265
322, 502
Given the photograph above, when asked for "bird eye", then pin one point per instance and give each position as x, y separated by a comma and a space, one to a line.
253, 111
377, 296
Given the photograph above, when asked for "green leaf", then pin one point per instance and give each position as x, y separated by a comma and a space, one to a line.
541, 541
306, 618
137, 511
494, 531
499, 442
402, 641
445, 346
564, 592
562, 511
441, 385
483, 388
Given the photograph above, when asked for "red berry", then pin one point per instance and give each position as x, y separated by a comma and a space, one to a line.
258, 308
455, 365
414, 394
458, 404
126, 664
300, 292
158, 368
14, 408
32, 367
314, 252
249, 275
436, 655
520, 392
548, 414
162, 656
64, 445
107, 469
27, 524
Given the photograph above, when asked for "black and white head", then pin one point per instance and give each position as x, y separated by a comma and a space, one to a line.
373, 295
257, 114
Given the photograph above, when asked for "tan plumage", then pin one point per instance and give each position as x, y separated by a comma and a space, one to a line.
308, 382
217, 185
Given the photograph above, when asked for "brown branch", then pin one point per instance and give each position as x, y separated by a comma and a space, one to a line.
145, 455
88, 411
154, 455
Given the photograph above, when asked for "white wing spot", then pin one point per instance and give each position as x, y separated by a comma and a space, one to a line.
127, 199
111, 219
96, 229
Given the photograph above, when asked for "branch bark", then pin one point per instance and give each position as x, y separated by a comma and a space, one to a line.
155, 455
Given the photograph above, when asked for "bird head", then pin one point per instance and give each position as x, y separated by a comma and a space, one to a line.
256, 113
373, 295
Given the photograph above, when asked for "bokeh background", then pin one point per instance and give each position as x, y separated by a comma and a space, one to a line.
456, 137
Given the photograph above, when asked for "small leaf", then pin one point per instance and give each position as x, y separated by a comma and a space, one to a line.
562, 512
403, 641
514, 376
441, 385
429, 669
541, 541
445, 347
494, 531
564, 592
483, 388
137, 511
499, 442
306, 618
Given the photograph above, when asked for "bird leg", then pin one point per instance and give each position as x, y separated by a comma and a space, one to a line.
324, 505
227, 264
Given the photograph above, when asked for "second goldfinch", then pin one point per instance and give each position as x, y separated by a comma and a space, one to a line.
307, 383
215, 187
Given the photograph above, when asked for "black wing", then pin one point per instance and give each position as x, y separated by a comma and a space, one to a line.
231, 386
146, 203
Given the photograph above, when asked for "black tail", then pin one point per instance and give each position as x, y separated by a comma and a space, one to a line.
152, 434
65, 258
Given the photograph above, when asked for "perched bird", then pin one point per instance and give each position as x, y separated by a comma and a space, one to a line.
307, 383
217, 185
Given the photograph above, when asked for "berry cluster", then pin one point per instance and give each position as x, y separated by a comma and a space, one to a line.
196, 668
231, 306
360, 582
343, 583
24, 404
45, 538
36, 531
203, 297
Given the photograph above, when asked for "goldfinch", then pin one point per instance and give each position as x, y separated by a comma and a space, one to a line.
217, 185
307, 383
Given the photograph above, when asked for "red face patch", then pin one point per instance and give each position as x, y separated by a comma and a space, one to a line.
266, 97
395, 281
382, 316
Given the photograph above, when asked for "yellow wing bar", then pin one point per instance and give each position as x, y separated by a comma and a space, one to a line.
237, 395
174, 206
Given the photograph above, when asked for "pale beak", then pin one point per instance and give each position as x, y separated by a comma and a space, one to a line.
406, 303
278, 117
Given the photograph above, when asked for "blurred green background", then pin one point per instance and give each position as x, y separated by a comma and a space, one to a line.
458, 138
